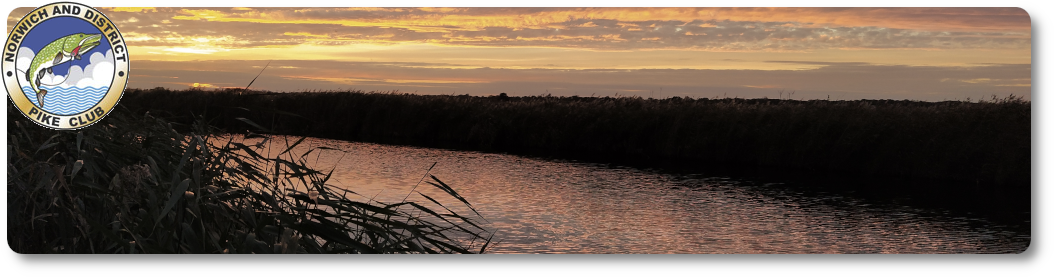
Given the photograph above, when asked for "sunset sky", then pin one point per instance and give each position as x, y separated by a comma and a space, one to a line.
841, 53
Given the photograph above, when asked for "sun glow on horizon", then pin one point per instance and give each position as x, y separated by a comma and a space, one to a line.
599, 50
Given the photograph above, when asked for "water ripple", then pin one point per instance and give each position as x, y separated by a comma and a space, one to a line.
546, 206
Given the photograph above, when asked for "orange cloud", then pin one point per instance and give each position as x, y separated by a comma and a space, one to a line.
580, 50
933, 19
602, 29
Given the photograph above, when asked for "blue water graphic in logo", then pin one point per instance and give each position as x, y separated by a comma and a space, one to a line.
68, 100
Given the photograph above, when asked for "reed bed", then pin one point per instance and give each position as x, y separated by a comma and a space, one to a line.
972, 150
136, 183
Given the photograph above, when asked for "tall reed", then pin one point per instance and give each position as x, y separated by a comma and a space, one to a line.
140, 184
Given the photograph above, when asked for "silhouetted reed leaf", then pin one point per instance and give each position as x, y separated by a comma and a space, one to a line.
231, 198
251, 123
177, 193
290, 147
77, 165
48, 144
443, 186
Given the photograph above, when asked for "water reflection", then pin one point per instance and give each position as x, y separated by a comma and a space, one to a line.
544, 206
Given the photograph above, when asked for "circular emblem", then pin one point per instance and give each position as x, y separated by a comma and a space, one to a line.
65, 65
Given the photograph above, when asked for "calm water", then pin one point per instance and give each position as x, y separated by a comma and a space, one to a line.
546, 206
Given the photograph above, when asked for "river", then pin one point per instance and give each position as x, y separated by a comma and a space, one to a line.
539, 205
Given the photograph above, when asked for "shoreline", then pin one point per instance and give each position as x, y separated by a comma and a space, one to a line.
920, 149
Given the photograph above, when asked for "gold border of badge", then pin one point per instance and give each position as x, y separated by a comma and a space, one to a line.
106, 28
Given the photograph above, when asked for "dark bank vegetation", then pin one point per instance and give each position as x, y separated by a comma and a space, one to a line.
135, 183
978, 152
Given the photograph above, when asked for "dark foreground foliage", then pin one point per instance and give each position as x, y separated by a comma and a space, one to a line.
138, 184
978, 152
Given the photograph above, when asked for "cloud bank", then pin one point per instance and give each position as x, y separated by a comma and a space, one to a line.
98, 73
839, 81
715, 29
842, 53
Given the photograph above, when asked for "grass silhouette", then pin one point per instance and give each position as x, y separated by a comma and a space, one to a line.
140, 184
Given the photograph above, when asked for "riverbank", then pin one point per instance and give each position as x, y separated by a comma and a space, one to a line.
978, 152
136, 183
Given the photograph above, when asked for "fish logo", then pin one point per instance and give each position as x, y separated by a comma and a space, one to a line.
65, 65
63, 49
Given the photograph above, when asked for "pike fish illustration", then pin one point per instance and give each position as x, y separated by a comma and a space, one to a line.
59, 51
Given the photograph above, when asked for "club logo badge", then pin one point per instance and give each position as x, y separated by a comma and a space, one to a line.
65, 65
